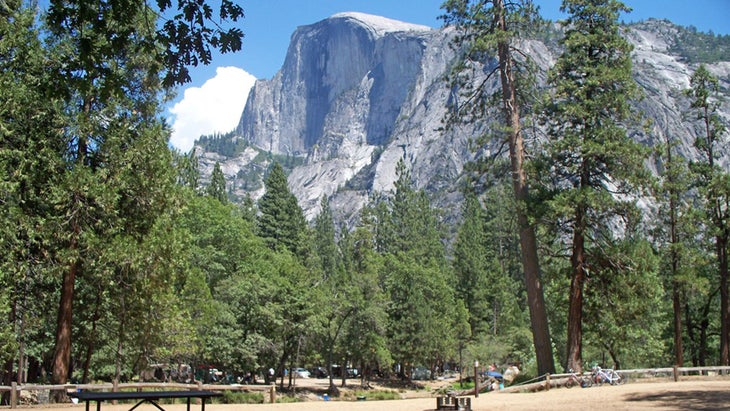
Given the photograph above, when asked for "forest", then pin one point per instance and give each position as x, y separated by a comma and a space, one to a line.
115, 257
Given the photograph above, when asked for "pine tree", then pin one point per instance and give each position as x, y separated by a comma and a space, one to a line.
416, 277
117, 177
496, 25
471, 265
188, 170
591, 161
217, 186
281, 221
30, 117
714, 183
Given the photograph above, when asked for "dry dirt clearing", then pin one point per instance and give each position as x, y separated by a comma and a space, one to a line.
683, 395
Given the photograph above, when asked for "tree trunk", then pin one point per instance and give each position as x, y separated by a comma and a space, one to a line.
575, 310
703, 330
528, 241
62, 354
677, 307
721, 244
673, 241
91, 346
693, 344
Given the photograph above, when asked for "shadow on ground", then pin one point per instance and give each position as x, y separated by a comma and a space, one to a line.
684, 400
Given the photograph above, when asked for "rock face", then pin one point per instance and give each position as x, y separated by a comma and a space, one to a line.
359, 92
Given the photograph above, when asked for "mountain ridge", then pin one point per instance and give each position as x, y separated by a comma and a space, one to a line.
351, 100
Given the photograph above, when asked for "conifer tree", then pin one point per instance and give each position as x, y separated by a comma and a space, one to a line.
591, 162
416, 277
30, 117
490, 26
281, 221
111, 81
188, 170
217, 186
714, 183
471, 265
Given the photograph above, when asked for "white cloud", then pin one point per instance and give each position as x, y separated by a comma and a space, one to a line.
216, 106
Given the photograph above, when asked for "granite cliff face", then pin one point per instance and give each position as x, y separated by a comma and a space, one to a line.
358, 92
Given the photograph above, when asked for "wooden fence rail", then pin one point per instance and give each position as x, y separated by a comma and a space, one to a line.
16, 388
549, 380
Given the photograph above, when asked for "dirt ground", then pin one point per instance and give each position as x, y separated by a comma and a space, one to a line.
697, 394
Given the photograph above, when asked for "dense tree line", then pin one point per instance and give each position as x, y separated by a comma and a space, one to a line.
699, 47
114, 257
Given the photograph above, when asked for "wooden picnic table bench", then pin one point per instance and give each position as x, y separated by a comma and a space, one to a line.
451, 402
151, 397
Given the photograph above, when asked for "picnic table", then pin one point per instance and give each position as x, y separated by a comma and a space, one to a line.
151, 397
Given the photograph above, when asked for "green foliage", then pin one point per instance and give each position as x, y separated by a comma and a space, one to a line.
699, 47
625, 308
224, 144
217, 186
233, 397
713, 183
188, 171
415, 276
186, 36
30, 116
281, 220
589, 162
376, 395
486, 263
363, 301
164, 275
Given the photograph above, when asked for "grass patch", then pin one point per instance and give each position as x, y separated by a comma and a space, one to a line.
239, 397
377, 395
466, 385
457, 386
286, 399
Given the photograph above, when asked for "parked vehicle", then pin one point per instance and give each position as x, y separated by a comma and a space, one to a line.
421, 373
319, 372
301, 372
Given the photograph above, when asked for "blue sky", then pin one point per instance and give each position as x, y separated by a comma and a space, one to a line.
269, 24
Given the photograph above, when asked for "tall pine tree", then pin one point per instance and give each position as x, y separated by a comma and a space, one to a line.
281, 221
486, 27
714, 183
217, 186
591, 161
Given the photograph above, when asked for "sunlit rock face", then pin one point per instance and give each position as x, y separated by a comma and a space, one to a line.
358, 92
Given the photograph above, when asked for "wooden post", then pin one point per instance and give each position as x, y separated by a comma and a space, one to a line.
272, 394
115, 388
476, 379
676, 373
13, 394
200, 388
547, 382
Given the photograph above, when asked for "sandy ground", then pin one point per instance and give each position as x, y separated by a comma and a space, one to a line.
683, 395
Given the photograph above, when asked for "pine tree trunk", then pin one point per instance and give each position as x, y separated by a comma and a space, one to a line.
528, 241
676, 292
575, 310
62, 355
721, 243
